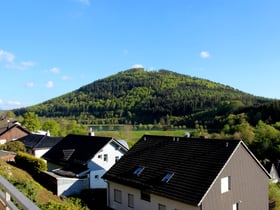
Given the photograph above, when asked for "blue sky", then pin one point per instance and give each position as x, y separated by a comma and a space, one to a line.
51, 47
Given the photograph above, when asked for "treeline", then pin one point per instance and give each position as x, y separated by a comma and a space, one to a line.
141, 96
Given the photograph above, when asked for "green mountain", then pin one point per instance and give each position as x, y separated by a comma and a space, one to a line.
136, 95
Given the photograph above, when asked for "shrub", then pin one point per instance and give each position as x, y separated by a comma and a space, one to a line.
30, 163
14, 146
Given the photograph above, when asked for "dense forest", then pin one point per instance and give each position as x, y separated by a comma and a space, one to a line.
136, 95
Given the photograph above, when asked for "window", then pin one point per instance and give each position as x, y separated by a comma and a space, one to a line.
167, 177
117, 196
105, 157
67, 153
225, 184
161, 207
138, 171
99, 156
130, 201
145, 196
117, 159
235, 206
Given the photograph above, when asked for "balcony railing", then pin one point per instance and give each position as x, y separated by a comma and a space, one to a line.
9, 194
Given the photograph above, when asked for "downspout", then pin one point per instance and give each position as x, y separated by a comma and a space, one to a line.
108, 194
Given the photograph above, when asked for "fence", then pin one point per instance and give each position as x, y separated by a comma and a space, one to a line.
10, 196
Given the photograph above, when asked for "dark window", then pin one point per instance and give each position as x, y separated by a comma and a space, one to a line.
138, 171
105, 157
167, 177
161, 207
145, 196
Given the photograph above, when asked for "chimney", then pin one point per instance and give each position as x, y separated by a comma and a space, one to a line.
90, 133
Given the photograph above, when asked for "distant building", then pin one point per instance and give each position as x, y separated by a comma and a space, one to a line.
38, 145
11, 130
78, 162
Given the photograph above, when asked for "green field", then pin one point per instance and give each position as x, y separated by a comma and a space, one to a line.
132, 136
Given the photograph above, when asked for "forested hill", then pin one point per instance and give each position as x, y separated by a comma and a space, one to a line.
136, 95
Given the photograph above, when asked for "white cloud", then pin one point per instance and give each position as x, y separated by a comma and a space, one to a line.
65, 77
30, 84
85, 2
137, 66
27, 64
49, 84
1, 102
8, 59
14, 103
54, 70
204, 54
6, 56
22, 66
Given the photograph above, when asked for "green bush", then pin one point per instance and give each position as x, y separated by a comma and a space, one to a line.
30, 163
14, 146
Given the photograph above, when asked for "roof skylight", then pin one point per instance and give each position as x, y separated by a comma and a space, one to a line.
167, 177
138, 171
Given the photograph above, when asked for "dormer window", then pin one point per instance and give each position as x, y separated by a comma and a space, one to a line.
167, 177
67, 153
138, 171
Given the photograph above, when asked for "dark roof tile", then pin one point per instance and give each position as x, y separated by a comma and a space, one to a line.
194, 162
36, 141
84, 148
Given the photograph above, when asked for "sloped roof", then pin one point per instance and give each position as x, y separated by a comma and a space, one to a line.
6, 126
77, 149
268, 166
36, 141
188, 165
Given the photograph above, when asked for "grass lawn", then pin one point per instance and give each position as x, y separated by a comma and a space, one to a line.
43, 198
132, 136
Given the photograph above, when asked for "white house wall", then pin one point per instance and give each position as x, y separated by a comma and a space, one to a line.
40, 152
274, 174
101, 163
109, 151
71, 186
142, 204
96, 182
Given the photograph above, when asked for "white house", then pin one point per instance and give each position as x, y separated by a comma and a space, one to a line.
37, 144
78, 162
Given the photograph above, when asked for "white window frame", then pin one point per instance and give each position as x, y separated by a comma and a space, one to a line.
130, 200
117, 196
225, 184
235, 206
161, 207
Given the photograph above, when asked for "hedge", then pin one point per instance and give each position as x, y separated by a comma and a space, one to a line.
30, 163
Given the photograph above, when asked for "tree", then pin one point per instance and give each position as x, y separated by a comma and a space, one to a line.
31, 121
52, 126
14, 146
266, 144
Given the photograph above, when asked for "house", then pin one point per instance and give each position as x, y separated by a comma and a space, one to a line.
161, 172
78, 162
273, 169
11, 130
7, 156
38, 145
